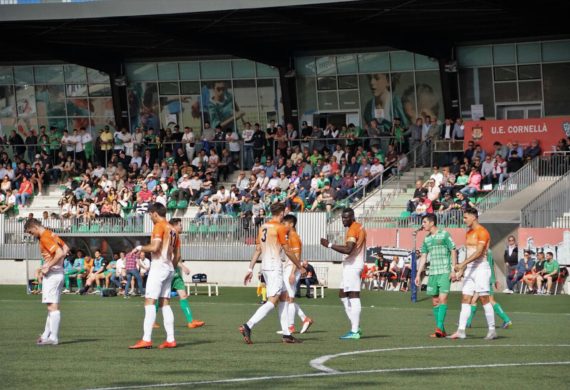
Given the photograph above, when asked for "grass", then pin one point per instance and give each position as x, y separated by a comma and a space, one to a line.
96, 332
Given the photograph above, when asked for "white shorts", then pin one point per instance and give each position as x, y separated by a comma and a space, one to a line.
350, 279
291, 288
52, 286
159, 281
274, 282
477, 280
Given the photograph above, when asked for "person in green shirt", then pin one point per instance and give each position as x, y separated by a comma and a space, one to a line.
507, 323
398, 134
440, 247
78, 270
548, 273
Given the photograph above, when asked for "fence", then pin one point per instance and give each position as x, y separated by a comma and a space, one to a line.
551, 208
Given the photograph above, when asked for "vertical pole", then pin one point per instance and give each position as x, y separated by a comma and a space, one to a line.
414, 289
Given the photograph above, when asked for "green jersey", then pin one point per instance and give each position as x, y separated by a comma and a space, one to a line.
551, 266
439, 247
492, 265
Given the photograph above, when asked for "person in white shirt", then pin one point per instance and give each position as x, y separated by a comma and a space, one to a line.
121, 137
433, 191
137, 159
189, 140
143, 264
232, 138
447, 129
10, 202
436, 176
98, 171
338, 153
247, 135
274, 181
69, 142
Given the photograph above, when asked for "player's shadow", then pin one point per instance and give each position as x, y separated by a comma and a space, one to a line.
78, 341
423, 299
193, 343
374, 336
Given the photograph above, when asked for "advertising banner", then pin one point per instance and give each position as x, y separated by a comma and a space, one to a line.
556, 241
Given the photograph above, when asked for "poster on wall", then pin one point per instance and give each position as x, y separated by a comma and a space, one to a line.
556, 241
548, 132
143, 105
218, 104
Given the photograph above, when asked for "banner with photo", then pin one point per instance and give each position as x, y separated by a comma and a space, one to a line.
554, 240
7, 109
245, 92
143, 105
218, 103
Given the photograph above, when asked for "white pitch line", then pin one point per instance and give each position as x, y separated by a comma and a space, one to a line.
337, 373
319, 363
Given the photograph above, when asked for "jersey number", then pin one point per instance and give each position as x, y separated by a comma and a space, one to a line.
173, 239
264, 236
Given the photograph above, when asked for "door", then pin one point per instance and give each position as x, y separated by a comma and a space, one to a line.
519, 111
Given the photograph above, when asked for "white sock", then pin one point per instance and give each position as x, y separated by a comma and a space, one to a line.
300, 312
149, 320
489, 315
168, 318
355, 309
284, 317
260, 314
47, 331
292, 307
464, 316
346, 304
54, 318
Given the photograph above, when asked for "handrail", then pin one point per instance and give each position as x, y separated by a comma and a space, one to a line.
549, 206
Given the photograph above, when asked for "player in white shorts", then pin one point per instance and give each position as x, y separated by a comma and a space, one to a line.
164, 248
354, 251
271, 241
53, 251
477, 273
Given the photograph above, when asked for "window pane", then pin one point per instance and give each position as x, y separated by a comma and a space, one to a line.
96, 76
348, 100
6, 76
529, 72
305, 66
401, 60
374, 62
245, 98
26, 100
307, 95
505, 73
346, 64
24, 74
425, 63
141, 72
74, 73
268, 98
556, 87
215, 69
170, 88
77, 107
506, 92
266, 71
326, 65
535, 113
49, 74
99, 90
7, 103
326, 83
556, 51
190, 88
429, 96
50, 100
218, 102
189, 71
504, 54
476, 87
515, 114
474, 55
170, 110
530, 91
528, 53
72, 90
328, 101
243, 68
347, 82
101, 106
168, 71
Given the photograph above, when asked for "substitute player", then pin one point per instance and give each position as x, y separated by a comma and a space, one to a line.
354, 251
53, 251
164, 248
272, 239
291, 275
507, 323
477, 274
440, 247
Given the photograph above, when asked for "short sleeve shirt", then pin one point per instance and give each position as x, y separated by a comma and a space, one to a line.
272, 236
49, 244
357, 235
438, 246
474, 238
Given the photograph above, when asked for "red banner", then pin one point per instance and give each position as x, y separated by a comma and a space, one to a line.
403, 238
548, 131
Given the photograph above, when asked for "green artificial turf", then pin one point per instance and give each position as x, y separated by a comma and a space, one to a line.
96, 332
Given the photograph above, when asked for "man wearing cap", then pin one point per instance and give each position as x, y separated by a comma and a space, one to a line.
524, 266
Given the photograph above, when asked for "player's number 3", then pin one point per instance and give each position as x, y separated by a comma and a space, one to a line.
264, 236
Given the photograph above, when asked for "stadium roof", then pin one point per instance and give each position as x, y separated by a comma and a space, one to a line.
103, 34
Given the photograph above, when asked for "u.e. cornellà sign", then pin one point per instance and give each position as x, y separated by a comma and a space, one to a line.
548, 131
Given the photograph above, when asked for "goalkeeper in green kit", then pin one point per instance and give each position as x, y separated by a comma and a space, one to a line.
440, 247
496, 306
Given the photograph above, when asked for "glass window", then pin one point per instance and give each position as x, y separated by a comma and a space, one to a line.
556, 86
425, 62
99, 90
51, 74
26, 100
307, 95
505, 73
374, 62
267, 100
74, 73
215, 69
142, 72
504, 54
556, 51
528, 53
101, 106
189, 70
168, 71
73, 90
266, 70
476, 87
346, 64
535, 113
77, 107
474, 55
348, 100
326, 83
506, 92
24, 74
305, 66
530, 91
529, 72
50, 100
96, 76
401, 60
170, 88
190, 88
328, 101
347, 82
245, 99
6, 76
7, 104
326, 65
243, 69
428, 94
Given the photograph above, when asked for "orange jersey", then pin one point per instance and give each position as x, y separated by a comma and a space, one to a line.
272, 236
49, 244
295, 244
170, 242
357, 235
472, 240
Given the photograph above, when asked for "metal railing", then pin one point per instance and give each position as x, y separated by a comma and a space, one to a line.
550, 207
541, 168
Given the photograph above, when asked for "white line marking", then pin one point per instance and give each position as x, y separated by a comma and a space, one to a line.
319, 363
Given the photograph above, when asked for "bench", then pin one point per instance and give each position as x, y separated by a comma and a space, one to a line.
211, 286
322, 276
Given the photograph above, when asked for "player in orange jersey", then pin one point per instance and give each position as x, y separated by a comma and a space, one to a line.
53, 251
